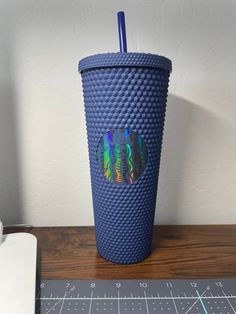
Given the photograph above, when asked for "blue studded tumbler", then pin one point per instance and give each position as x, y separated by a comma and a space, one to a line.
125, 102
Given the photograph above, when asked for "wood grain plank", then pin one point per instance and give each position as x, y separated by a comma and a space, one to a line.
206, 251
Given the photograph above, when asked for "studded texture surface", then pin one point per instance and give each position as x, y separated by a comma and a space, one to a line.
125, 59
135, 98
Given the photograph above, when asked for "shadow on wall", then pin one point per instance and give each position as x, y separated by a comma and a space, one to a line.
10, 182
188, 129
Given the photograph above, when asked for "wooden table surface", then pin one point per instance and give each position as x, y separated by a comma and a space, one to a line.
207, 251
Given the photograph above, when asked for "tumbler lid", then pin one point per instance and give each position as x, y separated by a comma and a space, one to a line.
119, 59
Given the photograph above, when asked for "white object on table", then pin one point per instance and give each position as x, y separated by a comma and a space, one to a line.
18, 273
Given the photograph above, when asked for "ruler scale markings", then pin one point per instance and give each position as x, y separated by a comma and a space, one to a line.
145, 296
203, 305
141, 298
52, 292
118, 302
55, 304
62, 304
228, 301
90, 304
195, 302
174, 302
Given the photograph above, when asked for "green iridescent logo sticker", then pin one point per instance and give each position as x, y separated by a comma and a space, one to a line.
122, 156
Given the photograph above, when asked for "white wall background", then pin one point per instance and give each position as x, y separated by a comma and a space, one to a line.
44, 171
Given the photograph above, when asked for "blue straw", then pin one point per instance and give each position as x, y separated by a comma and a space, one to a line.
122, 32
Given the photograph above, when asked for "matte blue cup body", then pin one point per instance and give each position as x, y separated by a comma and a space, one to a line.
125, 94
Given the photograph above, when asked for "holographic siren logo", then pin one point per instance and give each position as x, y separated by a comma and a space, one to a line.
122, 156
